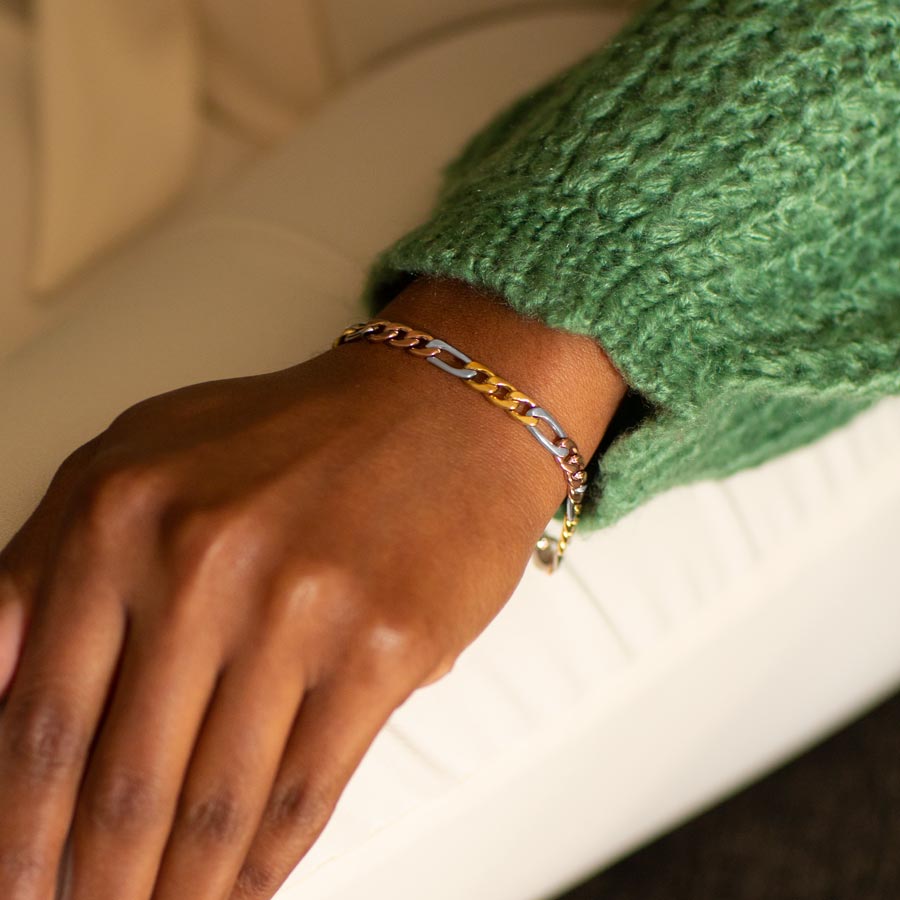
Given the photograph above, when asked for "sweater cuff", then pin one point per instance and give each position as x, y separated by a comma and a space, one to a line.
661, 436
481, 246
707, 198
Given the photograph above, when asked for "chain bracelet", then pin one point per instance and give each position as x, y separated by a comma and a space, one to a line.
548, 551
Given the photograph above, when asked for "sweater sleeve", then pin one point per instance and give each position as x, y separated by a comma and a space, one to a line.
714, 197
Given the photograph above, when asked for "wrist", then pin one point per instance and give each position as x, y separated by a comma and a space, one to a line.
570, 375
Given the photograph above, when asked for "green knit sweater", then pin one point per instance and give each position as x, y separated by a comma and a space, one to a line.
715, 198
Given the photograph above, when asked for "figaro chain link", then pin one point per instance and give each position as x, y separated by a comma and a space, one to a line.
543, 427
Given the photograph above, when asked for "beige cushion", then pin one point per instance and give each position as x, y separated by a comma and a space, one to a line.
120, 89
24, 312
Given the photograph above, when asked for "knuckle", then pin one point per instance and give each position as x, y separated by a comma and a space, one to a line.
119, 494
82, 455
202, 536
134, 414
310, 592
257, 879
302, 807
387, 649
299, 596
76, 462
219, 818
45, 736
124, 800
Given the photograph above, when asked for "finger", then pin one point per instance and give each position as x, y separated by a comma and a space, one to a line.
337, 723
128, 799
12, 628
23, 561
52, 711
231, 774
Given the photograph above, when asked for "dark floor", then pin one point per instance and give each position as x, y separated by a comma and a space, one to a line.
824, 827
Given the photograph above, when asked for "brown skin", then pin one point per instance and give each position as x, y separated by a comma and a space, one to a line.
223, 597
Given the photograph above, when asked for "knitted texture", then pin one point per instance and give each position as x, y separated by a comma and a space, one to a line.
714, 197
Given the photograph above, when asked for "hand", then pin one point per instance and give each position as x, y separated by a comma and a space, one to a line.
223, 597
